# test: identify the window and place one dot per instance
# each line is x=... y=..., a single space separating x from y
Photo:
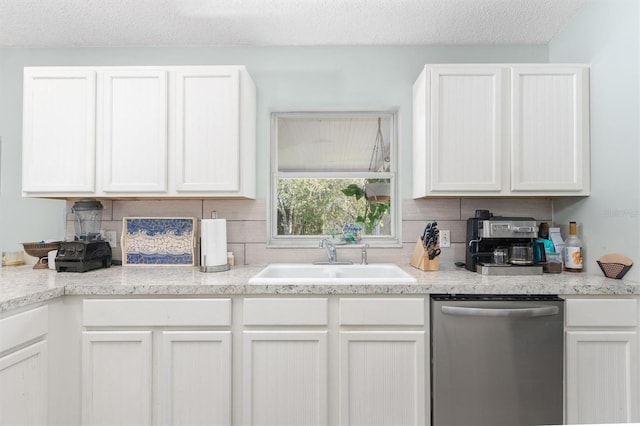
x=333 y=174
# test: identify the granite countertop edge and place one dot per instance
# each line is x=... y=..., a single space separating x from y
x=22 y=286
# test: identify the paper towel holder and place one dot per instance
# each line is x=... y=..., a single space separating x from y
x=214 y=268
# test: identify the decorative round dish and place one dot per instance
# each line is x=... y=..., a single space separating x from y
x=40 y=250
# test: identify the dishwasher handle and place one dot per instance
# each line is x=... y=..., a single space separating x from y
x=501 y=312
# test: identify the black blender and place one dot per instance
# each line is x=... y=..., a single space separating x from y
x=88 y=250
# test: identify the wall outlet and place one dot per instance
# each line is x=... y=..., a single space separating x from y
x=110 y=237
x=445 y=238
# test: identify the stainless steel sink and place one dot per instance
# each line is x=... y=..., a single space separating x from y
x=292 y=273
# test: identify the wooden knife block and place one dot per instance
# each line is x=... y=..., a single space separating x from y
x=420 y=258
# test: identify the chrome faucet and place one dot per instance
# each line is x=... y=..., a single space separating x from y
x=332 y=254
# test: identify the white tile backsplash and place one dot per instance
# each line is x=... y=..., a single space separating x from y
x=431 y=209
x=236 y=209
x=157 y=208
x=247 y=231
x=538 y=208
x=247 y=226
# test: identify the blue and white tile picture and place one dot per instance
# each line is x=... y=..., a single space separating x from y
x=158 y=241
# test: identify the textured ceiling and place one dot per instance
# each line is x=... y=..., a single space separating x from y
x=77 y=23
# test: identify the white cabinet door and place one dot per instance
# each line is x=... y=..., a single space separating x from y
x=134 y=146
x=23 y=386
x=550 y=129
x=475 y=134
x=59 y=130
x=382 y=378
x=207 y=138
x=170 y=131
x=461 y=144
x=195 y=378
x=284 y=378
x=602 y=377
x=116 y=377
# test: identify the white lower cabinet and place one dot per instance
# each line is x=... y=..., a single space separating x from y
x=195 y=378
x=284 y=378
x=383 y=371
x=285 y=361
x=382 y=378
x=116 y=377
x=23 y=368
x=23 y=376
x=337 y=360
x=144 y=373
x=296 y=360
x=602 y=376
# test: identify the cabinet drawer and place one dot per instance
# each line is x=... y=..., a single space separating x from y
x=23 y=327
x=285 y=311
x=382 y=311
x=602 y=312
x=161 y=312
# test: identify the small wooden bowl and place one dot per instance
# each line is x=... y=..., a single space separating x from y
x=40 y=250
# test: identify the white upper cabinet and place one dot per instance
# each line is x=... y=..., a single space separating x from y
x=466 y=107
x=207 y=124
x=501 y=130
x=59 y=130
x=134 y=145
x=179 y=131
x=550 y=129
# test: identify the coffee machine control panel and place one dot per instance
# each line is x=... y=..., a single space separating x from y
x=507 y=229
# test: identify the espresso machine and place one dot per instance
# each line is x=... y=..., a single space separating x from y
x=88 y=250
x=501 y=245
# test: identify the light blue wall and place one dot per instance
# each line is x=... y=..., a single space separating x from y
x=21 y=219
x=606 y=35
x=286 y=78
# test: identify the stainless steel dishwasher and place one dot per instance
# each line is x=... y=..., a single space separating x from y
x=496 y=360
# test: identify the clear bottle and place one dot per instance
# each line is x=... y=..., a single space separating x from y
x=573 y=261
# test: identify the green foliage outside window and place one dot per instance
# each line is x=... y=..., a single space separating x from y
x=373 y=212
x=316 y=206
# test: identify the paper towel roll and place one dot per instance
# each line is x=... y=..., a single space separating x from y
x=213 y=242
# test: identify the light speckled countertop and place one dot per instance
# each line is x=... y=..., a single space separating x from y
x=21 y=286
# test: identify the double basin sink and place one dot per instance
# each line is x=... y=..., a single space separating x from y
x=289 y=273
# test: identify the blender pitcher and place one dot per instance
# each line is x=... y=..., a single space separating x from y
x=88 y=219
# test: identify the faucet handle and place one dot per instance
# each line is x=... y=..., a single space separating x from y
x=363 y=254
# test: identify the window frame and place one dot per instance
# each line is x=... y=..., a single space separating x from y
x=296 y=241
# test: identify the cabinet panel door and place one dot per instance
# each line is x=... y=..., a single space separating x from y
x=135 y=131
x=382 y=378
x=284 y=378
x=602 y=377
x=59 y=130
x=195 y=378
x=466 y=129
x=550 y=129
x=208 y=130
x=116 y=377
x=23 y=386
